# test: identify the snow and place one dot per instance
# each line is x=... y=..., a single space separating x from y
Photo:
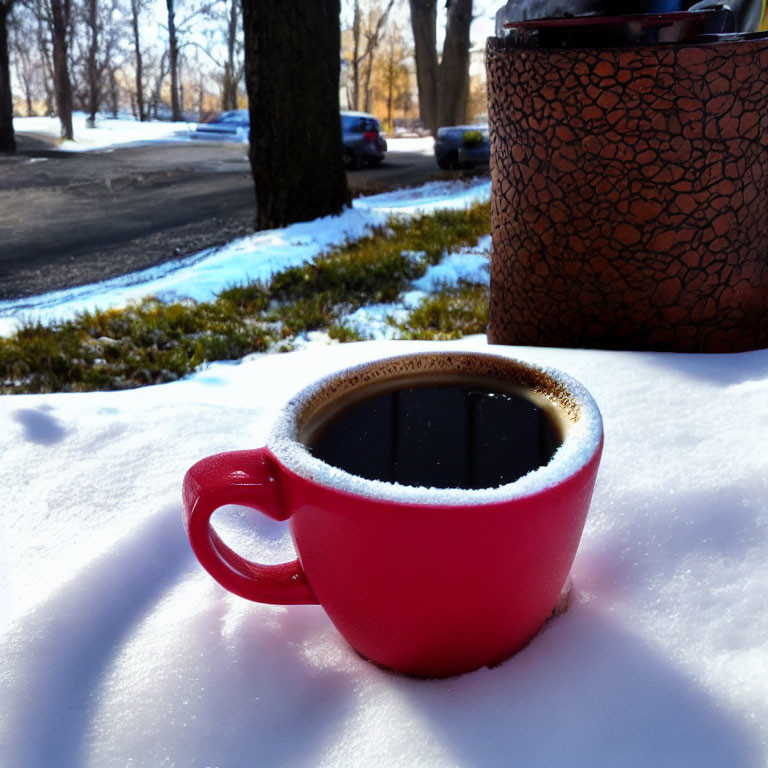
x=255 y=257
x=421 y=145
x=469 y=265
x=436 y=195
x=119 y=650
x=380 y=321
x=109 y=132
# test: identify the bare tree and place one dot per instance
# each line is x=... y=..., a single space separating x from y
x=52 y=33
x=137 y=6
x=7 y=138
x=41 y=12
x=176 y=30
x=453 y=75
x=173 y=59
x=97 y=45
x=161 y=70
x=368 y=26
x=233 y=69
x=443 y=86
x=354 y=101
x=60 y=15
x=292 y=76
x=391 y=73
x=115 y=41
x=225 y=34
x=21 y=31
x=95 y=65
x=424 y=25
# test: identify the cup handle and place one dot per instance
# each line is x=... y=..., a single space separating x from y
x=251 y=479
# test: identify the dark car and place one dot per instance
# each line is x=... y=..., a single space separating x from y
x=462 y=146
x=225 y=126
x=363 y=142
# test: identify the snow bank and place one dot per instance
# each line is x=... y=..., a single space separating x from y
x=256 y=257
x=109 y=132
x=118 y=650
x=421 y=145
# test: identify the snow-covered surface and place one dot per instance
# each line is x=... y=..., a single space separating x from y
x=119 y=132
x=436 y=195
x=116 y=649
x=422 y=145
x=256 y=256
x=108 y=132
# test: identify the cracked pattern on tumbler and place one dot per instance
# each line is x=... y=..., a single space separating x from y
x=629 y=204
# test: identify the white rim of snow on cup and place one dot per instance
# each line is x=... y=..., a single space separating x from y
x=581 y=439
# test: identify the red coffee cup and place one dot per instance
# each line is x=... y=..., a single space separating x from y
x=427 y=581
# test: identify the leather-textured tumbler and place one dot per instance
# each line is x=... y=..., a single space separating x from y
x=629 y=205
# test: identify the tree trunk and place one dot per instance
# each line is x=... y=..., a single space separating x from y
x=453 y=75
x=355 y=105
x=229 y=84
x=372 y=34
x=19 y=52
x=94 y=74
x=292 y=76
x=7 y=138
x=173 y=54
x=423 y=23
x=140 y=107
x=63 y=87
x=114 y=92
x=42 y=41
x=390 y=82
x=367 y=86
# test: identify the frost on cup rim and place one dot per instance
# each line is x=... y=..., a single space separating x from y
x=578 y=414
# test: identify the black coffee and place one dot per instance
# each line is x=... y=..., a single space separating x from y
x=439 y=436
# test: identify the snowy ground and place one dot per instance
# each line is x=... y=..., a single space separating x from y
x=257 y=256
x=380 y=321
x=111 y=132
x=118 y=650
x=108 y=132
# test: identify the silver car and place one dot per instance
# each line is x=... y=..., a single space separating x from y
x=225 y=126
x=363 y=142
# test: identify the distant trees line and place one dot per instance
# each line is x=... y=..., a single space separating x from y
x=102 y=56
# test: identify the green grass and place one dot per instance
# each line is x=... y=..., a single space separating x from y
x=450 y=314
x=148 y=343
x=153 y=342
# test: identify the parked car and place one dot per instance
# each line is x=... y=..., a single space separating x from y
x=361 y=134
x=225 y=126
x=462 y=146
x=363 y=142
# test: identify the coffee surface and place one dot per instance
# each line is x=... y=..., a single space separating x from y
x=440 y=437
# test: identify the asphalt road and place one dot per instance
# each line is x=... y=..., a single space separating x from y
x=72 y=218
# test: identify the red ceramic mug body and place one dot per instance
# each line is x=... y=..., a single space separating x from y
x=431 y=582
